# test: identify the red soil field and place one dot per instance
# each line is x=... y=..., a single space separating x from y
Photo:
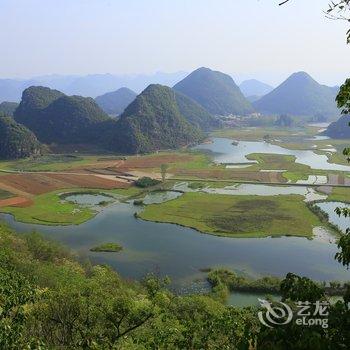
x=43 y=183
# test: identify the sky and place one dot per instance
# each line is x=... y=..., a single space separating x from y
x=244 y=38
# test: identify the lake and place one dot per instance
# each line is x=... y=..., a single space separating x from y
x=224 y=152
x=181 y=252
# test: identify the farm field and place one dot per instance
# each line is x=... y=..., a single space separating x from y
x=30 y=188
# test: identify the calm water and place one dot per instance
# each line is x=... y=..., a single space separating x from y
x=329 y=207
x=240 y=299
x=225 y=152
x=181 y=252
x=88 y=199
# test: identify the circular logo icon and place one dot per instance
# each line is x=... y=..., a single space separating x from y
x=276 y=314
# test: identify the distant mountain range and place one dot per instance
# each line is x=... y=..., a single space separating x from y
x=114 y=103
x=89 y=86
x=215 y=91
x=255 y=88
x=339 y=129
x=300 y=95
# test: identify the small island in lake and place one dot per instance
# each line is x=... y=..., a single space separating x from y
x=107 y=247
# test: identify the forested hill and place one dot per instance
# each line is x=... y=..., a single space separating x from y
x=8 y=108
x=195 y=114
x=215 y=91
x=151 y=122
x=300 y=95
x=115 y=102
x=57 y=118
x=16 y=141
x=339 y=129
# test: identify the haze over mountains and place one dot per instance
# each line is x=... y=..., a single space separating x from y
x=215 y=91
x=89 y=86
x=160 y=117
x=254 y=88
x=115 y=102
x=300 y=95
x=339 y=129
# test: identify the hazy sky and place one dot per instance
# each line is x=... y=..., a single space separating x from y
x=246 y=38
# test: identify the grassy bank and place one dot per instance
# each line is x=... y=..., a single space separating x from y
x=243 y=216
x=51 y=209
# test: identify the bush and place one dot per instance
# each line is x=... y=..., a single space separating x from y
x=145 y=181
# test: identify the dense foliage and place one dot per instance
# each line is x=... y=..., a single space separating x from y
x=300 y=95
x=146 y=181
x=158 y=119
x=215 y=91
x=57 y=118
x=115 y=102
x=195 y=114
x=16 y=141
x=8 y=108
x=49 y=299
x=152 y=122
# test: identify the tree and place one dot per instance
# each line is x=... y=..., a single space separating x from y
x=337 y=10
x=163 y=171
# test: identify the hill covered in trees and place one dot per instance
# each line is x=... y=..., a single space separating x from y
x=215 y=91
x=339 y=129
x=159 y=118
x=8 y=108
x=300 y=95
x=57 y=118
x=195 y=114
x=115 y=102
x=16 y=141
x=151 y=122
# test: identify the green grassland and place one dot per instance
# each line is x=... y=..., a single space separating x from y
x=54 y=162
x=258 y=133
x=51 y=209
x=340 y=194
x=243 y=216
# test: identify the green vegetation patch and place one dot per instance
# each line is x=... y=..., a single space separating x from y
x=340 y=194
x=241 y=216
x=4 y=194
x=107 y=247
x=52 y=162
x=233 y=282
x=50 y=209
x=145 y=182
